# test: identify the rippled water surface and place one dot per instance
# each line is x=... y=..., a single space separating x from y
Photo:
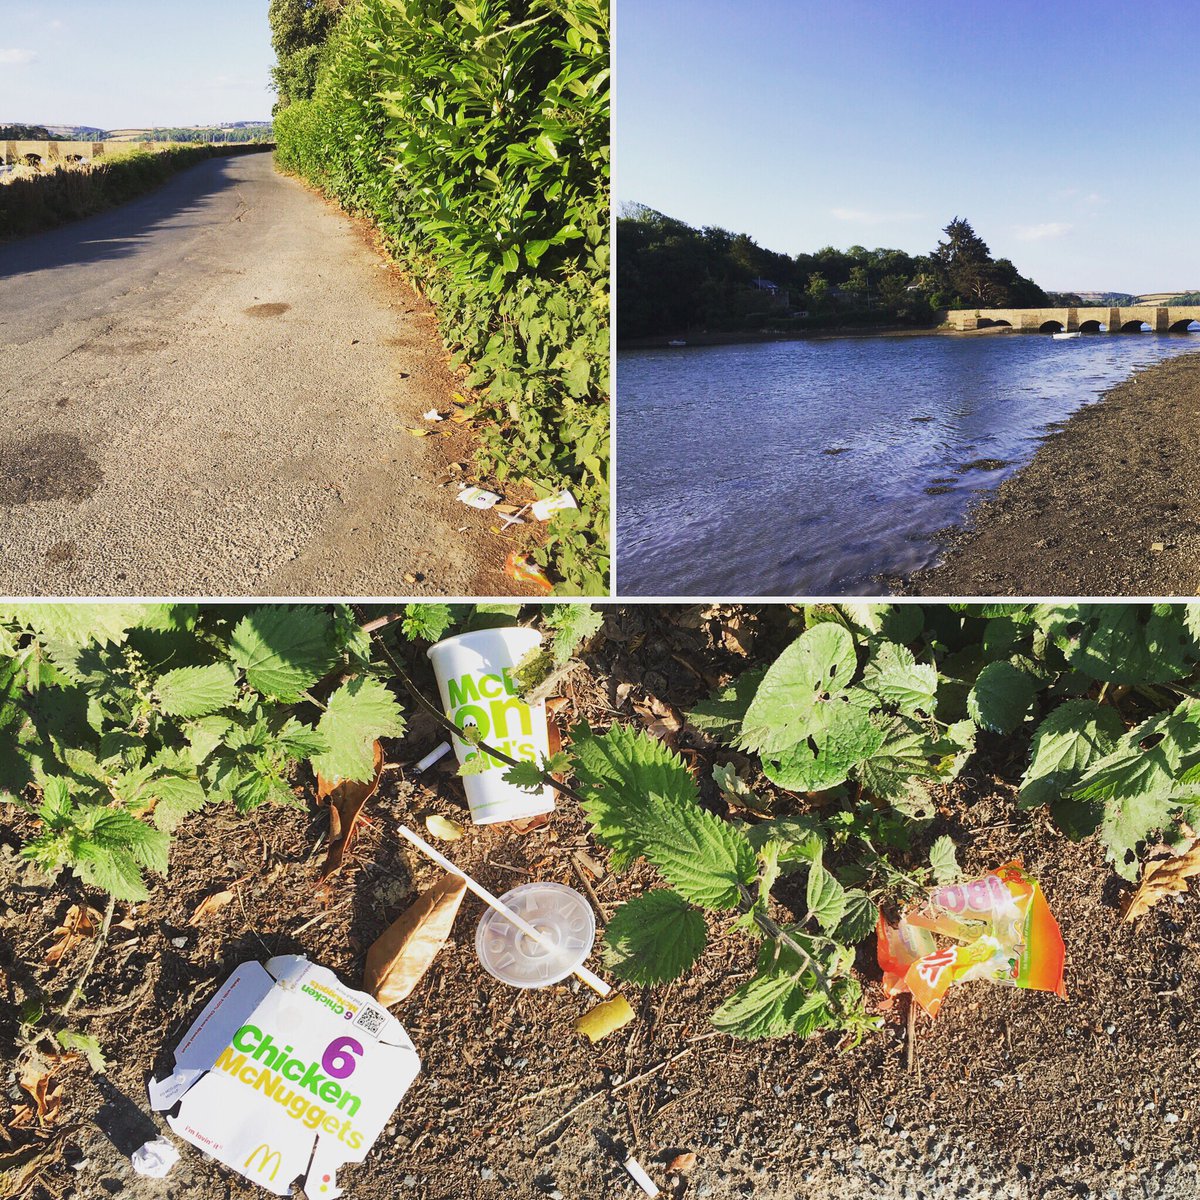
x=811 y=467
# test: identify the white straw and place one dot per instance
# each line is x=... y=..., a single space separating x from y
x=592 y=980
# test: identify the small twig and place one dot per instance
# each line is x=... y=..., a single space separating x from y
x=628 y=1083
x=591 y=891
x=910 y=1037
x=77 y=989
x=382 y=622
x=549 y=685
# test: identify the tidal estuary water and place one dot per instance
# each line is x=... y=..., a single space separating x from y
x=815 y=467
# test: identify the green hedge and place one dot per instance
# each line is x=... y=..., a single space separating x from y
x=476 y=136
x=66 y=193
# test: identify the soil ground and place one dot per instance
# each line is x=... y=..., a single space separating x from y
x=209 y=391
x=1014 y=1094
x=1109 y=505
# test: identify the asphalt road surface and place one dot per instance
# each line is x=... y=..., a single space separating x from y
x=206 y=392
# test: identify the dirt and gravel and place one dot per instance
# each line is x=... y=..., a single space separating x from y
x=208 y=392
x=1109 y=505
x=1014 y=1094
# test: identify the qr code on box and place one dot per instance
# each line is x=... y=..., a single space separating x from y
x=371 y=1021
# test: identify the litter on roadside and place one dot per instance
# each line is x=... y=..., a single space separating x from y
x=285 y=1073
x=643 y=1180
x=475 y=679
x=604 y=1019
x=548 y=942
x=1000 y=929
x=521 y=568
x=474 y=497
x=545 y=509
x=437 y=753
x=154 y=1159
x=400 y=956
x=563 y=918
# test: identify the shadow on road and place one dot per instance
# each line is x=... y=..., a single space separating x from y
x=120 y=232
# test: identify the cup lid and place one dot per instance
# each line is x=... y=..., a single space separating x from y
x=556 y=911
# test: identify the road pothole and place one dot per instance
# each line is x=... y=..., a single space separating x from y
x=267 y=310
x=50 y=466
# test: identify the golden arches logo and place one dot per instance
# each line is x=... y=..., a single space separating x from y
x=274 y=1157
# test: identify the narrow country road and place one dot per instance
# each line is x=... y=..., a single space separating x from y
x=206 y=392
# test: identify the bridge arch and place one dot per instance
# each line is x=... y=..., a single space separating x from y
x=999 y=323
x=1186 y=325
x=1092 y=326
x=1051 y=327
x=1134 y=326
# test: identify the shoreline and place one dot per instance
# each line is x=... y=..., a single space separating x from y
x=751 y=336
x=1108 y=506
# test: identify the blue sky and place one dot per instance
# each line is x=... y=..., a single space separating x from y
x=1068 y=134
x=132 y=63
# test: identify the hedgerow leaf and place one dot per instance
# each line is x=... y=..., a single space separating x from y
x=812 y=672
x=840 y=737
x=618 y=770
x=894 y=675
x=721 y=716
x=763 y=1007
x=197 y=691
x=825 y=897
x=1128 y=643
x=859 y=919
x=1074 y=736
x=943 y=860
x=654 y=938
x=284 y=649
x=356 y=716
x=1001 y=697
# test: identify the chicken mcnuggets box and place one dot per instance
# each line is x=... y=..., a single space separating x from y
x=287 y=1072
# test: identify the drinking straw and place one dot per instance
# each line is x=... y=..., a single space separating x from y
x=581 y=972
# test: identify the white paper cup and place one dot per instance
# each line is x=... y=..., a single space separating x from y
x=475 y=679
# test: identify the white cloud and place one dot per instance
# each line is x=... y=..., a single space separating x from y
x=1039 y=233
x=862 y=217
x=17 y=58
x=58 y=24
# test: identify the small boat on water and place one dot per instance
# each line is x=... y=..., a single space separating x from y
x=677 y=342
x=1062 y=337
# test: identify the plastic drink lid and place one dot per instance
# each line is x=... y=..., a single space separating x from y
x=557 y=912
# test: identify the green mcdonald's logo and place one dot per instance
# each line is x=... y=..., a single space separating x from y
x=274 y=1157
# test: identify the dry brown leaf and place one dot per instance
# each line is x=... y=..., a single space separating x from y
x=211 y=904
x=529 y=824
x=662 y=720
x=1162 y=879
x=401 y=955
x=79 y=923
x=443 y=827
x=555 y=704
x=345 y=800
x=683 y=1162
x=21 y=1169
x=46 y=1092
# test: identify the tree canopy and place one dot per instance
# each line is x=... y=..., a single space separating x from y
x=672 y=278
x=299 y=31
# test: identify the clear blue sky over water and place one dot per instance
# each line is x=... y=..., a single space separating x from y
x=133 y=63
x=1066 y=133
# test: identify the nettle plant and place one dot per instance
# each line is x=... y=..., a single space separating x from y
x=854 y=724
x=118 y=721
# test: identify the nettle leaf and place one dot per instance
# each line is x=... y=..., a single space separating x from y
x=814 y=671
x=897 y=770
x=705 y=859
x=765 y=1006
x=284 y=649
x=525 y=775
x=1001 y=697
x=114 y=871
x=1127 y=643
x=177 y=796
x=357 y=714
x=1127 y=823
x=859 y=919
x=894 y=675
x=1065 y=744
x=572 y=624
x=197 y=691
x=944 y=860
x=825 y=897
x=618 y=770
x=81 y=624
x=654 y=938
x=841 y=737
x=797 y=839
x=721 y=716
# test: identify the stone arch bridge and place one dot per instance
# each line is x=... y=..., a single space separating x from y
x=1161 y=319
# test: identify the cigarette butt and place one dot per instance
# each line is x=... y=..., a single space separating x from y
x=604 y=1019
x=437 y=752
x=643 y=1180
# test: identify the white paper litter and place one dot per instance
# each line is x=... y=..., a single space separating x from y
x=154 y=1159
x=474 y=497
x=433 y=415
x=545 y=509
x=643 y=1180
